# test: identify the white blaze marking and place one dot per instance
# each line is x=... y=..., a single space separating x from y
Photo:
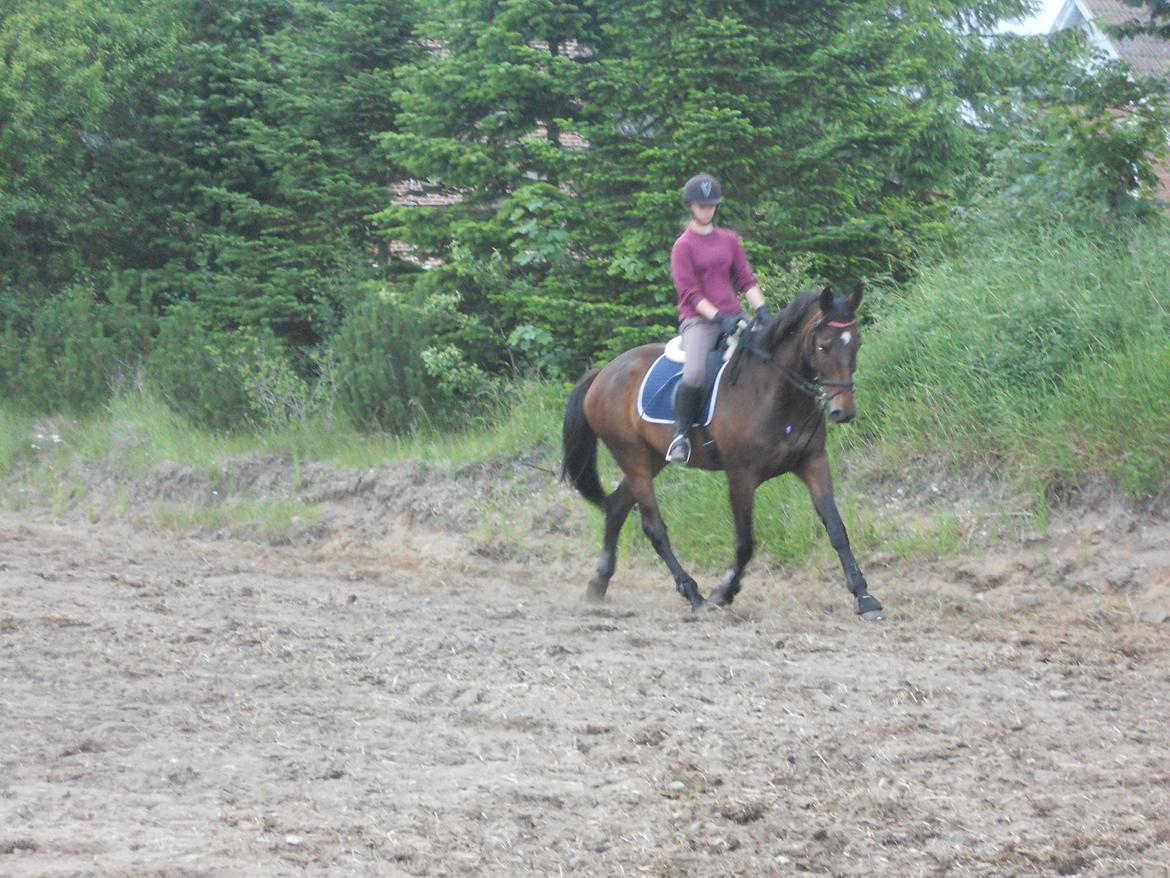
x=846 y=337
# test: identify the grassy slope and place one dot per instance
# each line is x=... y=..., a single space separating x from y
x=1043 y=356
x=1043 y=359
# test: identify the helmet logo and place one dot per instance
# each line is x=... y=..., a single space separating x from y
x=705 y=185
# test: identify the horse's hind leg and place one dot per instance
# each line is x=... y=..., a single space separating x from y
x=642 y=487
x=617 y=509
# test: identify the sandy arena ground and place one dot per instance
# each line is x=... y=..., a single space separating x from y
x=188 y=706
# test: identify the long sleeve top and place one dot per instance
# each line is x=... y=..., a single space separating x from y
x=712 y=267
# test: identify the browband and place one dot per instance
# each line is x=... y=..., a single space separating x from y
x=837 y=324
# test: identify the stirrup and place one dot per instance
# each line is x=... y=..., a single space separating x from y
x=679 y=450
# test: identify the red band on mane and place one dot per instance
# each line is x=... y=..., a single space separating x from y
x=839 y=325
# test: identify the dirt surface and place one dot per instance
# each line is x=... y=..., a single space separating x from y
x=387 y=695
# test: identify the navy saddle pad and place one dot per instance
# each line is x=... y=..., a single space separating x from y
x=656 y=396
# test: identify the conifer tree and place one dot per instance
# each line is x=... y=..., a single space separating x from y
x=840 y=129
x=262 y=155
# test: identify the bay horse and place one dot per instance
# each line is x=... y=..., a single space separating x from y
x=770 y=420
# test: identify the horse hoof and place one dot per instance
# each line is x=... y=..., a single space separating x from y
x=719 y=598
x=869 y=608
x=595 y=594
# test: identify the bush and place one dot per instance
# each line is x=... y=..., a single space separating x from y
x=397 y=365
x=227 y=380
x=72 y=351
x=189 y=369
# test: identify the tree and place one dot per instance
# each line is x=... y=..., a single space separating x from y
x=261 y=163
x=841 y=130
x=75 y=89
x=484 y=121
x=198 y=150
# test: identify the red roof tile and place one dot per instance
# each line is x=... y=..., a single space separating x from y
x=1147 y=55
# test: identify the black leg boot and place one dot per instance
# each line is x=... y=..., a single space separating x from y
x=686 y=407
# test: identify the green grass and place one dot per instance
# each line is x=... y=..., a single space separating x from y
x=1040 y=355
x=787 y=529
x=698 y=517
x=140 y=432
x=272 y=518
x=1111 y=418
x=1039 y=359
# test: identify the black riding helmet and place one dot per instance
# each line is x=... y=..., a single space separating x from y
x=702 y=189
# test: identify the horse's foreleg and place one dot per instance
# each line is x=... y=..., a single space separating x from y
x=655 y=529
x=741 y=489
x=816 y=477
x=617 y=509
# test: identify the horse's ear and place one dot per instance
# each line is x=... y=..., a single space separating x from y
x=854 y=300
x=827 y=300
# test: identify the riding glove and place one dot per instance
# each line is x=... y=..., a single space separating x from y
x=728 y=323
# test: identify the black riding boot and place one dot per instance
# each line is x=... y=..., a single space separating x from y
x=686 y=407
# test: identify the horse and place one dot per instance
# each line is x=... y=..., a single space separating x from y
x=770 y=420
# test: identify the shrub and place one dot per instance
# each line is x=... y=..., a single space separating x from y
x=397 y=365
x=190 y=369
x=226 y=380
x=1037 y=351
x=72 y=350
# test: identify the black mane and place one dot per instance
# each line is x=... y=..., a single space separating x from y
x=787 y=321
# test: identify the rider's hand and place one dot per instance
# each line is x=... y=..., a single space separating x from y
x=763 y=314
x=728 y=323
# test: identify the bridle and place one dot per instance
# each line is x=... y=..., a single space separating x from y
x=814 y=388
x=843 y=385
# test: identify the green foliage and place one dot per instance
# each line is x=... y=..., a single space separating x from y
x=394 y=371
x=188 y=368
x=844 y=139
x=74 y=84
x=258 y=160
x=72 y=351
x=1005 y=358
x=218 y=166
x=14 y=437
x=1079 y=140
x=226 y=380
x=1111 y=418
x=217 y=152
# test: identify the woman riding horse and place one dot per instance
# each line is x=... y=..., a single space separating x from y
x=709 y=266
x=770 y=420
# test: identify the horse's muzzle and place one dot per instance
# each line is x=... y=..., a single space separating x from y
x=841 y=413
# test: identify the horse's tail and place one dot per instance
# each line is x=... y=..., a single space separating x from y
x=579 y=466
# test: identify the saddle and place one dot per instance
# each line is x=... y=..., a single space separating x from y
x=656 y=395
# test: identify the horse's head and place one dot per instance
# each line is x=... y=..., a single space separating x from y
x=832 y=351
x=829 y=336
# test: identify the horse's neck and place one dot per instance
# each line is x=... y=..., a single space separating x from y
x=777 y=398
x=790 y=354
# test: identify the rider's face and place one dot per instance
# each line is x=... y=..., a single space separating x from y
x=703 y=213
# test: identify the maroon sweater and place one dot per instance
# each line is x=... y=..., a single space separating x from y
x=712 y=267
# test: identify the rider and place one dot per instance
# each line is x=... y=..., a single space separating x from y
x=709 y=266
